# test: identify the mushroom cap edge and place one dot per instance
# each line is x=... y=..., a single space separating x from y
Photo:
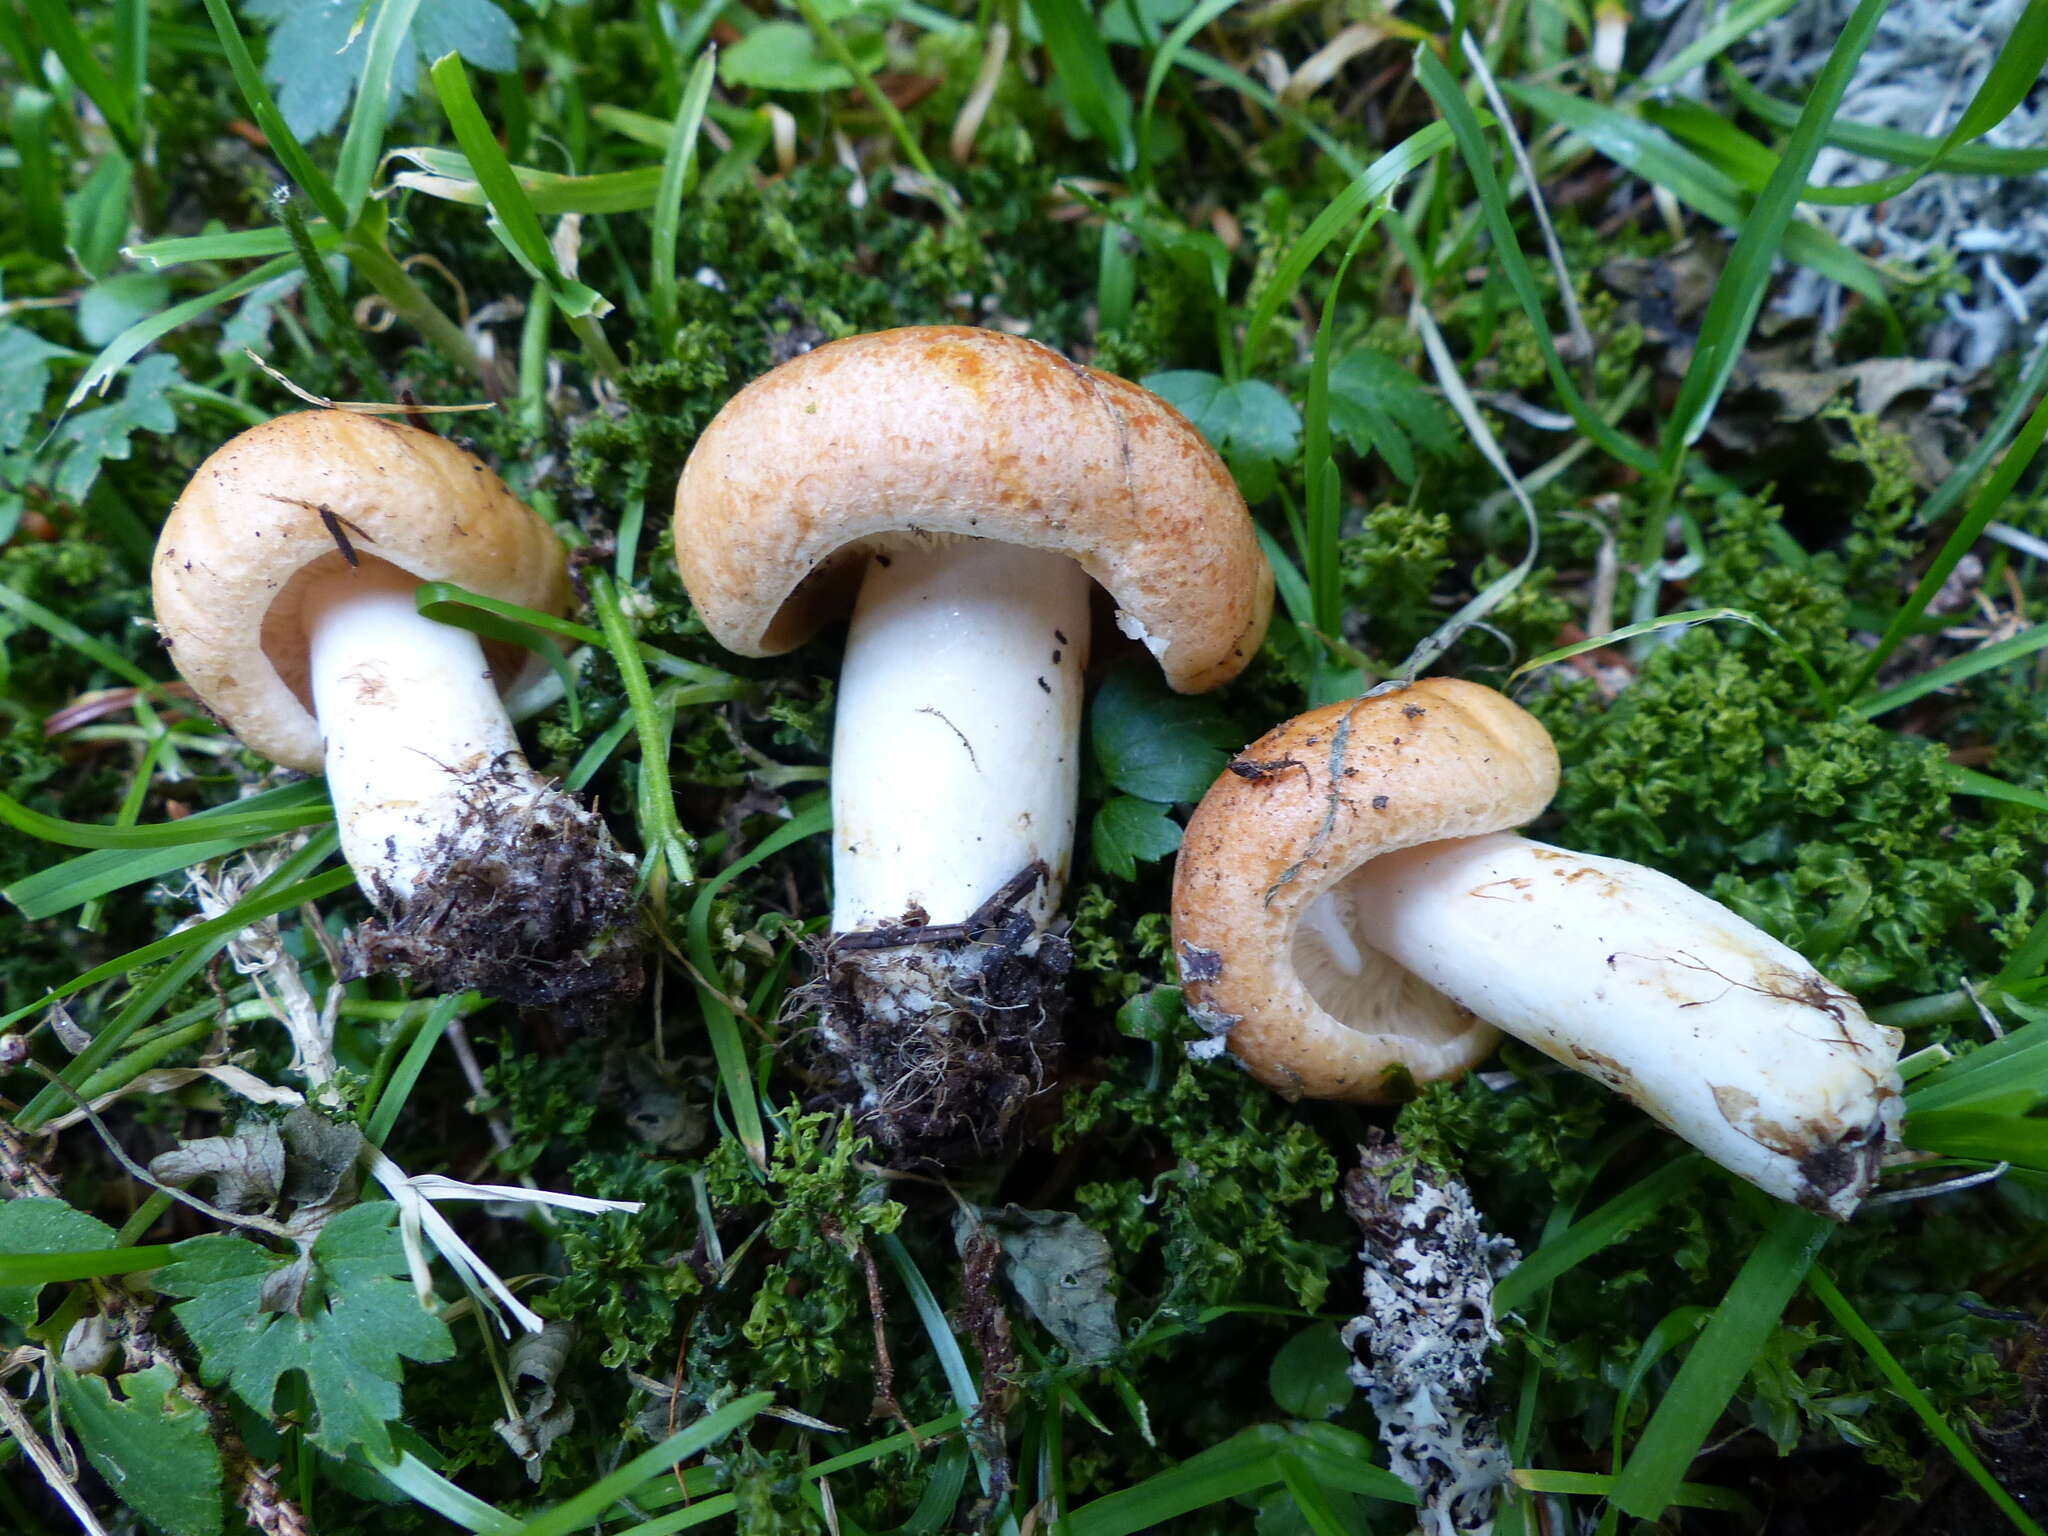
x=252 y=526
x=1328 y=791
x=955 y=430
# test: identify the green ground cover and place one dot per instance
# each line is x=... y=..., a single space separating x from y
x=1484 y=330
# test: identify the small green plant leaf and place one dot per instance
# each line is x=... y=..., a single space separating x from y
x=152 y=1444
x=1310 y=1377
x=1154 y=743
x=348 y=1323
x=785 y=56
x=33 y=1224
x=96 y=215
x=1156 y=1014
x=318 y=49
x=24 y=380
x=1376 y=405
x=1248 y=420
x=90 y=438
x=112 y=304
x=1130 y=832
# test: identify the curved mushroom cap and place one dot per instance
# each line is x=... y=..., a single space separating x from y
x=1309 y=1012
x=253 y=527
x=947 y=429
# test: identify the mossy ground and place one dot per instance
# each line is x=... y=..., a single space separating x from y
x=1732 y=755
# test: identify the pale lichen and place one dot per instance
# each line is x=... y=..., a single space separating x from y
x=1419 y=1348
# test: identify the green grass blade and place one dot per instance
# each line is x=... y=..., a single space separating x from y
x=284 y=144
x=1602 y=1228
x=65 y=885
x=1718 y=1362
x=144 y=1004
x=1982 y=1136
x=53 y=21
x=1823 y=1287
x=1685 y=1496
x=1311 y=1499
x=656 y=726
x=166 y=834
x=1369 y=187
x=224 y=927
x=2013 y=74
x=1983 y=659
x=235 y=245
x=1739 y=293
x=392 y=1100
x=677 y=167
x=1465 y=127
x=38 y=182
x=51 y=1268
x=123 y=349
x=1969 y=781
x=1652 y=154
x=1721 y=33
x=728 y=1048
x=493 y=172
x=1080 y=58
x=77 y=881
x=1890 y=143
x=1241 y=1465
x=421 y=1483
x=2018 y=1062
x=1982 y=511
x=577 y=1513
x=1164 y=57
x=390 y=41
x=445 y=174
x=61 y=628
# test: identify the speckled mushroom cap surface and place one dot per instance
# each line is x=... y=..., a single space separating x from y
x=253 y=528
x=1300 y=809
x=947 y=429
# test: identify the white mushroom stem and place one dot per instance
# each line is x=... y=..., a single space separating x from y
x=956 y=758
x=1707 y=1023
x=417 y=742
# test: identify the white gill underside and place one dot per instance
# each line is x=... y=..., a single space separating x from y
x=1729 y=1038
x=417 y=741
x=956 y=756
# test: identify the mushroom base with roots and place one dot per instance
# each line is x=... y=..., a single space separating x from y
x=486 y=875
x=956 y=763
x=1705 y=1022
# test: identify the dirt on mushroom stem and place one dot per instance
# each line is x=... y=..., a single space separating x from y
x=527 y=899
x=940 y=1037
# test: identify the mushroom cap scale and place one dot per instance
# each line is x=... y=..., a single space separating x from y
x=258 y=522
x=953 y=430
x=1300 y=809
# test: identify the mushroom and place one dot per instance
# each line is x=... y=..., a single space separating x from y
x=1352 y=910
x=284 y=582
x=973 y=487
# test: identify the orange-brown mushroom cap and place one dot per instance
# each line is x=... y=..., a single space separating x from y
x=269 y=510
x=947 y=429
x=1300 y=809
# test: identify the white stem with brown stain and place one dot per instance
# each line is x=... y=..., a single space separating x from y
x=956 y=754
x=1707 y=1023
x=417 y=741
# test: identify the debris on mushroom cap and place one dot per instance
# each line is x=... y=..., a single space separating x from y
x=1328 y=790
x=948 y=429
x=317 y=491
x=1335 y=922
